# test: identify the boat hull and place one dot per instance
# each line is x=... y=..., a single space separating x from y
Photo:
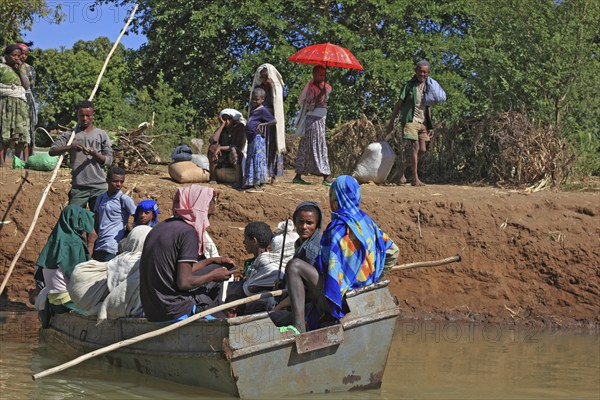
x=248 y=356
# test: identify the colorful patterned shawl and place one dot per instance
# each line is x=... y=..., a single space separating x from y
x=352 y=247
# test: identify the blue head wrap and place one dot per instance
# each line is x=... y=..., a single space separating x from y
x=146 y=205
x=352 y=247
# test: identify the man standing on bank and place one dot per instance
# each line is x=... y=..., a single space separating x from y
x=417 y=127
x=90 y=152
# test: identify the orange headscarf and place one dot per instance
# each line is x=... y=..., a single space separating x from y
x=191 y=203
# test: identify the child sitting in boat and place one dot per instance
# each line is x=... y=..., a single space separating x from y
x=261 y=273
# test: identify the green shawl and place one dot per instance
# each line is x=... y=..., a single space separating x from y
x=408 y=95
x=66 y=247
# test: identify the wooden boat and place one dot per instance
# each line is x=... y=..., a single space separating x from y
x=248 y=356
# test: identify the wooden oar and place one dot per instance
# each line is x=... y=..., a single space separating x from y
x=157 y=332
x=422 y=264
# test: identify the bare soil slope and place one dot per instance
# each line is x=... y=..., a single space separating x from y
x=527 y=258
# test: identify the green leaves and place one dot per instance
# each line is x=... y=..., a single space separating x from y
x=490 y=57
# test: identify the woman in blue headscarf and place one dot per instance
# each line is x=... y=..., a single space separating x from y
x=354 y=253
x=146 y=213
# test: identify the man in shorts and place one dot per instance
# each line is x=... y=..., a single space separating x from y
x=417 y=128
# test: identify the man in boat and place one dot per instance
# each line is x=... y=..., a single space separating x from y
x=176 y=280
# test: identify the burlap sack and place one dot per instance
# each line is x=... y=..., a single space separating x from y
x=187 y=172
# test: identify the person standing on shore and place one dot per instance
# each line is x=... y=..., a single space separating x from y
x=312 y=155
x=14 y=117
x=417 y=127
x=30 y=73
x=269 y=79
x=90 y=152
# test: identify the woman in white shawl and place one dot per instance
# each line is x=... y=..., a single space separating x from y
x=312 y=155
x=111 y=289
x=269 y=79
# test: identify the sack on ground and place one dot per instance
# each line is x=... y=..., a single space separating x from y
x=187 y=172
x=201 y=160
x=42 y=162
x=375 y=163
x=18 y=163
x=183 y=152
x=434 y=94
x=197 y=146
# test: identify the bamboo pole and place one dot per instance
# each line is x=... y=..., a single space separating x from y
x=59 y=162
x=423 y=264
x=112 y=51
x=157 y=332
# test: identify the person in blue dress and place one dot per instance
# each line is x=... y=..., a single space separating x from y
x=256 y=161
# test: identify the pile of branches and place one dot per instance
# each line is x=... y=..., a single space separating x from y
x=134 y=152
x=508 y=149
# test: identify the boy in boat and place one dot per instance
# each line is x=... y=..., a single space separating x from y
x=176 y=280
x=260 y=273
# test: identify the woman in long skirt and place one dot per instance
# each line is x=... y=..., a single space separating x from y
x=312 y=155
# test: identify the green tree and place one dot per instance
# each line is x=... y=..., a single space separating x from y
x=67 y=76
x=19 y=15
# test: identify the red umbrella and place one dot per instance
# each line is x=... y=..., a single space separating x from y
x=327 y=55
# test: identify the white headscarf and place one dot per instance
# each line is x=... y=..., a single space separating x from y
x=234 y=114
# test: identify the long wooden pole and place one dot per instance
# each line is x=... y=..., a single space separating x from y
x=423 y=264
x=157 y=332
x=213 y=310
x=59 y=162
x=112 y=51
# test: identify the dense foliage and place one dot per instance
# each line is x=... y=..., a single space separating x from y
x=18 y=15
x=536 y=56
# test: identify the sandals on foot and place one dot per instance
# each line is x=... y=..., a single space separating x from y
x=325 y=183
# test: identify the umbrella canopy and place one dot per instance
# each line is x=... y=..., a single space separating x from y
x=327 y=55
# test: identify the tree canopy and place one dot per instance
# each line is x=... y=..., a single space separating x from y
x=537 y=55
x=18 y=15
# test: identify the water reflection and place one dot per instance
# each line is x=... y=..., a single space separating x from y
x=427 y=361
x=450 y=360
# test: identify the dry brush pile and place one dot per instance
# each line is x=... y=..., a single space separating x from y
x=133 y=151
x=507 y=149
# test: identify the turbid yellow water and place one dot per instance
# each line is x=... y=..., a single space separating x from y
x=427 y=361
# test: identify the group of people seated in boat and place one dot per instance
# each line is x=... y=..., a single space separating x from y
x=172 y=270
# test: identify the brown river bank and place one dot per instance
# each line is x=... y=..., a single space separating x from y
x=527 y=259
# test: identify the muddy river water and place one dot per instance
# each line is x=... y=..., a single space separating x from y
x=427 y=361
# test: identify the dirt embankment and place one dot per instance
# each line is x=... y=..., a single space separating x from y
x=527 y=258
